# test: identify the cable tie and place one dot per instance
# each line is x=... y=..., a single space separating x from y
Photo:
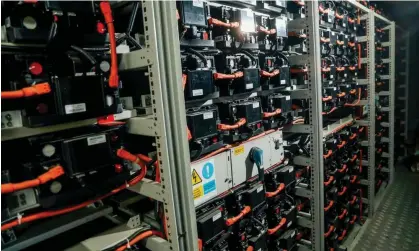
x=126 y=184
x=19 y=218
x=128 y=245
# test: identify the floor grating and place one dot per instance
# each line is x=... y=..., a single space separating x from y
x=395 y=226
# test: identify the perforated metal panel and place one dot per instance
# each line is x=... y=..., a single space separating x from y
x=395 y=226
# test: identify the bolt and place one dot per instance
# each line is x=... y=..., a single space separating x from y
x=8 y=116
x=9 y=124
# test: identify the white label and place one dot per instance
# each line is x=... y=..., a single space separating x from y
x=96 y=140
x=289 y=224
x=256 y=105
x=75 y=108
x=204 y=183
x=260 y=189
x=293 y=233
x=216 y=217
x=334 y=88
x=260 y=249
x=197 y=92
x=283 y=82
x=208 y=115
x=345 y=75
x=291 y=169
x=331 y=76
x=287 y=97
x=198 y=3
x=344 y=25
x=249 y=86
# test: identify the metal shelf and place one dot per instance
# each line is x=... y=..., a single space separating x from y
x=56 y=226
x=22 y=132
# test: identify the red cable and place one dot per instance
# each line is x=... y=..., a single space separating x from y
x=106 y=10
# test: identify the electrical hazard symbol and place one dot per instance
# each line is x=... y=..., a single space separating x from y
x=196 y=179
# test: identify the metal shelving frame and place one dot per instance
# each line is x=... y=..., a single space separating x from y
x=406 y=85
x=161 y=57
x=391 y=93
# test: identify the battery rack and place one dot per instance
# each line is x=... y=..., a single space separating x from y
x=271 y=124
x=402 y=90
x=385 y=106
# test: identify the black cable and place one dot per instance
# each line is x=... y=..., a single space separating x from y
x=132 y=17
x=282 y=55
x=198 y=54
x=84 y=53
x=198 y=153
x=52 y=32
x=251 y=56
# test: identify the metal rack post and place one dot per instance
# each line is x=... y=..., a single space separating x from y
x=316 y=123
x=406 y=85
x=371 y=110
x=162 y=58
x=392 y=88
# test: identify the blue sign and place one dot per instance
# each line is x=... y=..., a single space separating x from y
x=208 y=170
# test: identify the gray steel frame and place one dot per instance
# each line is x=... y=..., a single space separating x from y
x=315 y=118
x=406 y=87
x=371 y=108
x=169 y=121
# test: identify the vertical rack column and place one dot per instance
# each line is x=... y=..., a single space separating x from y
x=392 y=88
x=371 y=109
x=169 y=121
x=316 y=123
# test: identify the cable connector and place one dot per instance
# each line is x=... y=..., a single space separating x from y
x=52 y=174
x=35 y=90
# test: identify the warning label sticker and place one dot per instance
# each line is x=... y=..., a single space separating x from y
x=204 y=184
x=196 y=179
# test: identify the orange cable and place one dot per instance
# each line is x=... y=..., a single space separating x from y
x=343 y=191
x=217 y=22
x=234 y=219
x=51 y=174
x=276 y=192
x=269 y=74
x=140 y=237
x=342 y=214
x=235 y=75
x=331 y=228
x=329 y=153
x=329 y=206
x=275 y=229
x=271 y=114
x=52 y=213
x=225 y=127
x=331 y=179
x=106 y=10
x=34 y=90
x=357 y=102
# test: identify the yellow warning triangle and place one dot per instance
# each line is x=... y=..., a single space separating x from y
x=196 y=179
